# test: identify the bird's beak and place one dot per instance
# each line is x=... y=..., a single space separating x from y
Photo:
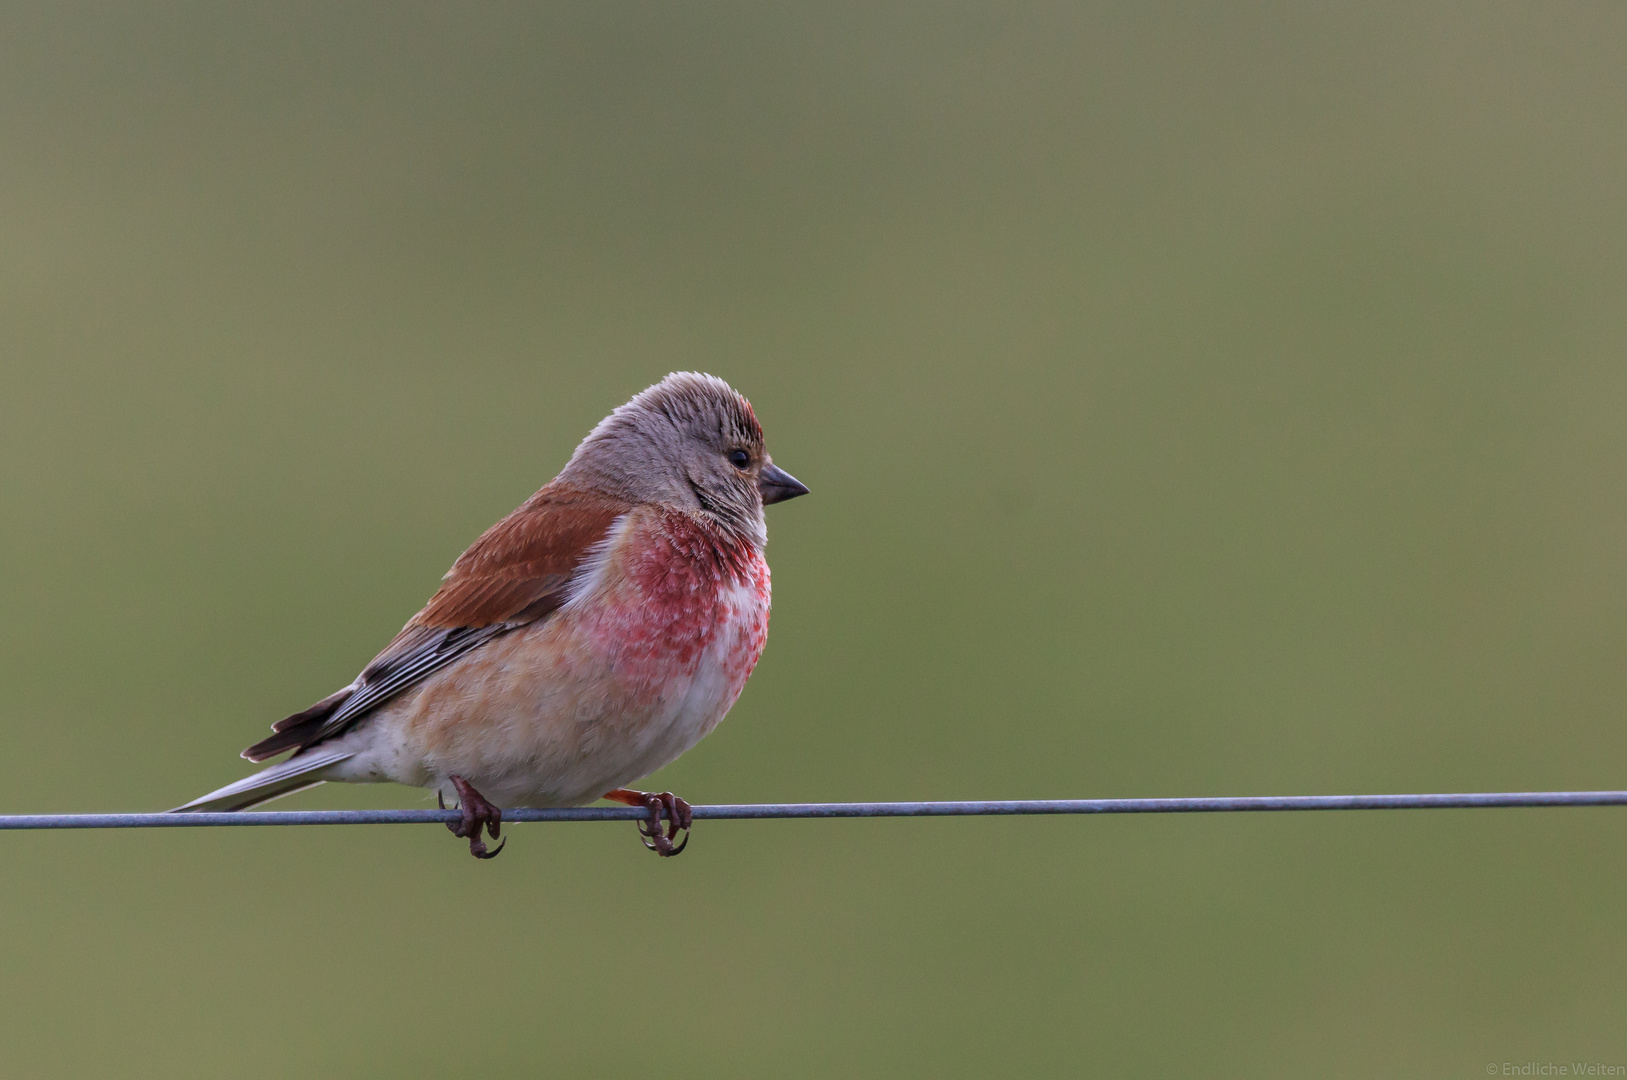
x=777 y=485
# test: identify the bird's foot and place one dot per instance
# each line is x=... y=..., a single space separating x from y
x=476 y=813
x=658 y=838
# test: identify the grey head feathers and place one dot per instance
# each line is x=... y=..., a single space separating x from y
x=691 y=442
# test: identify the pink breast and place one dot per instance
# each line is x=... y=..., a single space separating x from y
x=684 y=593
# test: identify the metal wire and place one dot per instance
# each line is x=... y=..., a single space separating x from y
x=838 y=810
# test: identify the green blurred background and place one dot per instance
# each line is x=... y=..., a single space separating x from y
x=1197 y=399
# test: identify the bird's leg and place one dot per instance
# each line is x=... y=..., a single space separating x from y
x=476 y=811
x=677 y=812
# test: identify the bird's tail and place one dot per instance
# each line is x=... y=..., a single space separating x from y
x=296 y=774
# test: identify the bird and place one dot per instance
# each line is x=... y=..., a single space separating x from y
x=592 y=636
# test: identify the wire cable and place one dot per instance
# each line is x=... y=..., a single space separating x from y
x=752 y=811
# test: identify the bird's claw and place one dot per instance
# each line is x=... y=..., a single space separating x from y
x=474 y=812
x=679 y=817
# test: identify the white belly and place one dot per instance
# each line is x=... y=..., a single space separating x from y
x=538 y=718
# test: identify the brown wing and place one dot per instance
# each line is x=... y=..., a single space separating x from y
x=519 y=571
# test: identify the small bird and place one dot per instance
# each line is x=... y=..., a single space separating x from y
x=584 y=641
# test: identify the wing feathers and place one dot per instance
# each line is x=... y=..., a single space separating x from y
x=428 y=653
x=519 y=571
x=316 y=712
x=523 y=559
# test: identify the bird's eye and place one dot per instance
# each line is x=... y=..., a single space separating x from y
x=739 y=459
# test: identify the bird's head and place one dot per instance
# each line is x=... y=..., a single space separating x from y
x=692 y=442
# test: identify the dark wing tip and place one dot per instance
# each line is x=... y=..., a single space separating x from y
x=296 y=730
